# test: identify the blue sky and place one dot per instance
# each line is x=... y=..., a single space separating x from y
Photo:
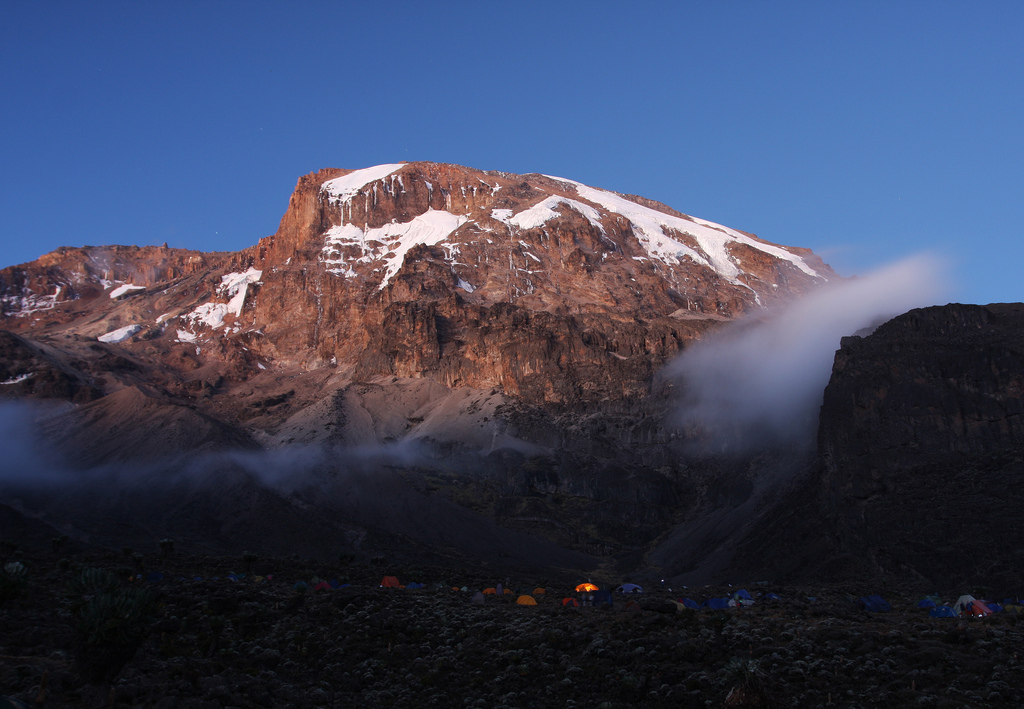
x=867 y=131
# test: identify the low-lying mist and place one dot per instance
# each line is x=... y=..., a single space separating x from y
x=758 y=383
x=31 y=462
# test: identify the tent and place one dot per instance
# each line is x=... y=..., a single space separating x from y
x=926 y=603
x=716 y=604
x=629 y=588
x=526 y=601
x=942 y=612
x=874 y=604
x=586 y=588
x=490 y=591
x=539 y=591
x=602 y=598
x=772 y=597
x=689 y=603
x=389 y=582
x=478 y=598
x=970 y=606
x=570 y=603
x=741 y=598
x=415 y=585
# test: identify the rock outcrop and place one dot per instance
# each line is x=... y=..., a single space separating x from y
x=920 y=464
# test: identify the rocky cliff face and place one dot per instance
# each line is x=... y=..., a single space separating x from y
x=920 y=464
x=920 y=439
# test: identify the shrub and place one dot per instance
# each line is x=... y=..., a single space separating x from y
x=110 y=623
x=12 y=581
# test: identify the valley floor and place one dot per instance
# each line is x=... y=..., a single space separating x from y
x=210 y=640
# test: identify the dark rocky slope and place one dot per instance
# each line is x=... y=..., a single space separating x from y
x=920 y=471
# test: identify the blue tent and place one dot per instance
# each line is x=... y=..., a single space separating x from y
x=772 y=597
x=942 y=612
x=874 y=604
x=629 y=588
x=602 y=598
x=717 y=604
x=414 y=585
x=926 y=603
x=689 y=603
x=743 y=594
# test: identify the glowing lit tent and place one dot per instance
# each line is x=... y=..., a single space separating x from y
x=586 y=588
x=526 y=601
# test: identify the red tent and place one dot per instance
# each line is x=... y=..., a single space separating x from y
x=390 y=582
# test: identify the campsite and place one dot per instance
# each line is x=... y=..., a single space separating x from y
x=300 y=633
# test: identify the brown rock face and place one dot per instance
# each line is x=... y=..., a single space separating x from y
x=491 y=279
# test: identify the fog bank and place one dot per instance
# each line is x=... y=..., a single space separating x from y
x=759 y=382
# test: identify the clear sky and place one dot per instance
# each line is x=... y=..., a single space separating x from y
x=867 y=131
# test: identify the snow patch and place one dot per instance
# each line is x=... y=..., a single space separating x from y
x=344 y=188
x=390 y=242
x=466 y=286
x=649 y=226
x=544 y=211
x=119 y=335
x=185 y=336
x=126 y=288
x=236 y=285
x=28 y=302
x=209 y=314
x=18 y=380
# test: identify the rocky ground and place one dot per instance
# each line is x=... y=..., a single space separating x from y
x=199 y=638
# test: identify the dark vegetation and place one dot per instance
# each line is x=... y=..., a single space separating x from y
x=84 y=630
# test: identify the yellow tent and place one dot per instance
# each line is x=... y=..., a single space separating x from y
x=526 y=601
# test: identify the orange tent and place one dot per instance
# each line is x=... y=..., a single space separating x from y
x=539 y=591
x=489 y=590
x=526 y=601
x=508 y=592
x=389 y=582
x=586 y=588
x=571 y=602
